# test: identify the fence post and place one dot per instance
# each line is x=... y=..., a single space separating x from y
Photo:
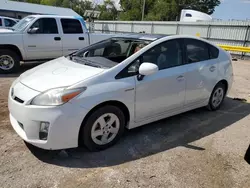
x=115 y=23
x=245 y=40
x=103 y=27
x=208 y=31
x=152 y=28
x=177 y=29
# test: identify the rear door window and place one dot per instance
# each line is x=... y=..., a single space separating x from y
x=71 y=26
x=196 y=51
x=213 y=52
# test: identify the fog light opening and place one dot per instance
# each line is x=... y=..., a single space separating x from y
x=44 y=129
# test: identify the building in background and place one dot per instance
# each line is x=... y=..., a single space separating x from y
x=19 y=10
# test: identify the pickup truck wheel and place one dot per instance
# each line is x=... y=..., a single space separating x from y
x=9 y=61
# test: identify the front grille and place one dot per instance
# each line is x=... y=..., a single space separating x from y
x=18 y=100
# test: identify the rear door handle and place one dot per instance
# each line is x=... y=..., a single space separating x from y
x=212 y=69
x=81 y=38
x=180 y=78
x=57 y=38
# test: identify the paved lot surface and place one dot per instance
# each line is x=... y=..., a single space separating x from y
x=194 y=149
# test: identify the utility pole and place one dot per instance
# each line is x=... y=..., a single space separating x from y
x=143 y=10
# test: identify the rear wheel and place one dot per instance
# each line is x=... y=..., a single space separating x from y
x=217 y=97
x=9 y=61
x=103 y=128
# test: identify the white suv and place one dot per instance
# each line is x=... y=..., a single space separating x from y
x=90 y=96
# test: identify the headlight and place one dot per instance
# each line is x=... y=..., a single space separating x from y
x=57 y=96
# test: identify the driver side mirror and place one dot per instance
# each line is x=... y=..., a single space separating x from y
x=33 y=30
x=147 y=69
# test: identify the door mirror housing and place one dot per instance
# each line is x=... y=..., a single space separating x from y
x=85 y=54
x=33 y=30
x=147 y=69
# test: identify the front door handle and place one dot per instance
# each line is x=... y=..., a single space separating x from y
x=180 y=78
x=212 y=69
x=57 y=38
x=81 y=38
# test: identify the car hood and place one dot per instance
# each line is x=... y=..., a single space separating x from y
x=57 y=73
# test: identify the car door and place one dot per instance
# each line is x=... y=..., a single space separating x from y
x=163 y=91
x=74 y=37
x=46 y=43
x=201 y=75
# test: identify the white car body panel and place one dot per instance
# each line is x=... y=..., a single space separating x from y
x=157 y=96
x=160 y=92
x=58 y=74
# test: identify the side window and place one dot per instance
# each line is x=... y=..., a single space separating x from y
x=165 y=55
x=46 y=26
x=9 y=23
x=213 y=52
x=1 y=22
x=196 y=51
x=71 y=26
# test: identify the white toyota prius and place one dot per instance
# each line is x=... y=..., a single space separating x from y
x=90 y=97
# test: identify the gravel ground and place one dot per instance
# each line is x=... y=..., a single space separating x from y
x=194 y=149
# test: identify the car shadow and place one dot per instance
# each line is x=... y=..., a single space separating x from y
x=23 y=68
x=180 y=130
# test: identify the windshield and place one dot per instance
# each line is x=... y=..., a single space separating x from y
x=22 y=24
x=114 y=50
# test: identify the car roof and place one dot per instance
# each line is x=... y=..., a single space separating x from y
x=141 y=36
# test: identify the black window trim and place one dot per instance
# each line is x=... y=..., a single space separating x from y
x=182 y=46
x=46 y=33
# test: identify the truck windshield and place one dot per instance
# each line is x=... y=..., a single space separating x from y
x=22 y=24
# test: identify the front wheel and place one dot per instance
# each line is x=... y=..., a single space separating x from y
x=9 y=61
x=217 y=97
x=103 y=128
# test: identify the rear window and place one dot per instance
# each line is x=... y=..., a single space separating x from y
x=71 y=26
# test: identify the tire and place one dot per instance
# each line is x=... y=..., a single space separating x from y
x=13 y=57
x=212 y=105
x=92 y=127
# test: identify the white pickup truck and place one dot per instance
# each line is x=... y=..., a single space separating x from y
x=43 y=37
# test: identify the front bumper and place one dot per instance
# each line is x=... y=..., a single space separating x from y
x=65 y=122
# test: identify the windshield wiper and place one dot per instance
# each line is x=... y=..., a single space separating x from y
x=92 y=65
x=85 y=61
